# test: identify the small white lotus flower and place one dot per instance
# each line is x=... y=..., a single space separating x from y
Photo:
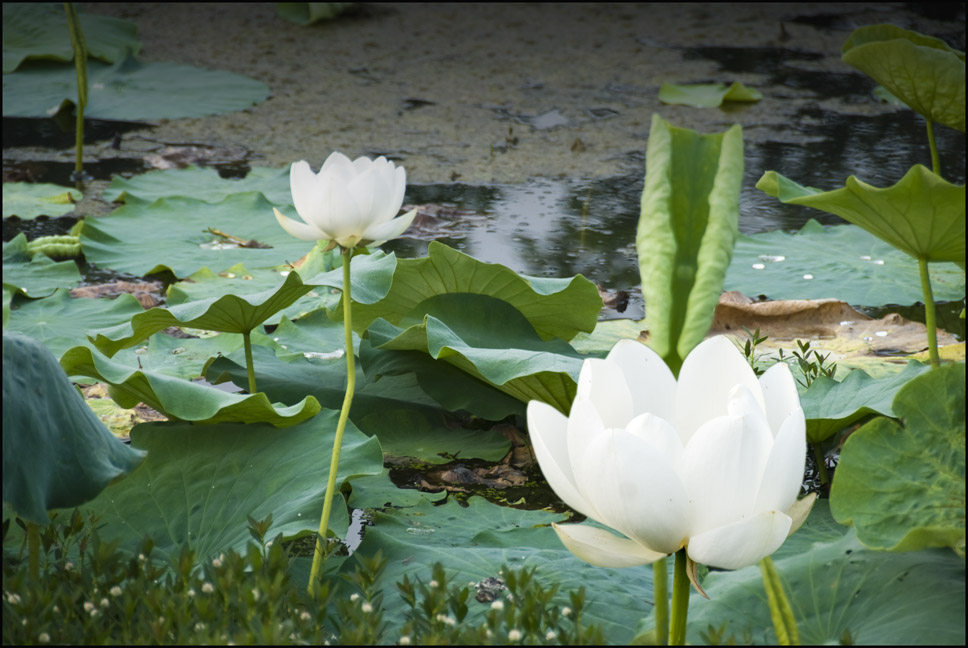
x=712 y=463
x=347 y=202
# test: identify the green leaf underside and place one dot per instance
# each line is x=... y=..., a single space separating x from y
x=181 y=399
x=554 y=307
x=830 y=406
x=200 y=482
x=686 y=231
x=129 y=90
x=922 y=215
x=843 y=262
x=28 y=200
x=921 y=501
x=706 y=95
x=56 y=453
x=490 y=340
x=923 y=72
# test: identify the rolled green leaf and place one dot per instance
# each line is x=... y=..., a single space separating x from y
x=923 y=72
x=686 y=232
x=707 y=95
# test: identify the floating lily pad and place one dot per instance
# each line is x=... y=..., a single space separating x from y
x=181 y=399
x=56 y=453
x=28 y=200
x=129 y=90
x=922 y=215
x=201 y=481
x=706 y=95
x=35 y=30
x=170 y=234
x=922 y=504
x=842 y=262
x=201 y=184
x=59 y=321
x=554 y=307
x=922 y=71
x=35 y=276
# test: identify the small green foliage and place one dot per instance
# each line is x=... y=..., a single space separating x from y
x=749 y=349
x=90 y=591
x=716 y=636
x=811 y=368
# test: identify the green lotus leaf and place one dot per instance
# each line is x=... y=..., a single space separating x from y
x=922 y=503
x=201 y=481
x=178 y=357
x=923 y=72
x=840 y=593
x=35 y=276
x=228 y=314
x=706 y=95
x=922 y=215
x=128 y=90
x=181 y=399
x=28 y=200
x=58 y=321
x=170 y=234
x=686 y=232
x=490 y=340
x=201 y=184
x=453 y=388
x=830 y=406
x=56 y=453
x=371 y=277
x=842 y=262
x=39 y=31
x=554 y=307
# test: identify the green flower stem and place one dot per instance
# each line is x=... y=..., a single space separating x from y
x=319 y=556
x=660 y=588
x=80 y=65
x=33 y=551
x=929 y=316
x=818 y=457
x=935 y=159
x=784 y=623
x=680 y=601
x=249 y=367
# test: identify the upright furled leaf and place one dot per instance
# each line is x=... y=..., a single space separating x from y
x=686 y=232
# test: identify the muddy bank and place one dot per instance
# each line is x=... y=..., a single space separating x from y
x=502 y=93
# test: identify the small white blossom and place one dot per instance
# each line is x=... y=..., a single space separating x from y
x=94 y=612
x=105 y=603
x=404 y=640
x=514 y=635
x=217 y=563
x=565 y=611
x=446 y=620
x=43 y=637
x=199 y=626
x=551 y=635
x=305 y=616
x=13 y=599
x=207 y=587
x=68 y=566
x=433 y=584
x=255 y=594
x=366 y=607
x=141 y=557
x=354 y=597
x=497 y=605
x=88 y=606
x=116 y=591
x=191 y=592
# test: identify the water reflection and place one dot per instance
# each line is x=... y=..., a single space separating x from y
x=560 y=228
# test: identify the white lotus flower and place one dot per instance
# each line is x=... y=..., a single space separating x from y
x=348 y=202
x=713 y=463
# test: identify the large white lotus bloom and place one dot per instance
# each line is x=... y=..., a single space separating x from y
x=713 y=463
x=348 y=202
